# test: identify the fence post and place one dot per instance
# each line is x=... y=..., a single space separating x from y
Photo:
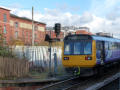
x=50 y=71
x=55 y=64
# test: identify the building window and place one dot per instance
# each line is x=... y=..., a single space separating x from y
x=5 y=17
x=5 y=31
x=27 y=35
x=16 y=24
x=30 y=35
x=23 y=36
x=16 y=34
x=23 y=33
x=36 y=28
x=35 y=36
x=42 y=35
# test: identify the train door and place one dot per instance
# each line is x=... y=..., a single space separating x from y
x=102 y=52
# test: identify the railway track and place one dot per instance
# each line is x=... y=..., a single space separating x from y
x=80 y=83
x=60 y=85
x=66 y=84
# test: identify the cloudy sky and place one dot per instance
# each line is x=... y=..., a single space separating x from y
x=98 y=15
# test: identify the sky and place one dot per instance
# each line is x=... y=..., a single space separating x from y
x=98 y=15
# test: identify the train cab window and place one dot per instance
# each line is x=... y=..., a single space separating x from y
x=77 y=46
x=68 y=48
x=87 y=48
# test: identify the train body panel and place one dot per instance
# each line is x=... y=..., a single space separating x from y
x=112 y=55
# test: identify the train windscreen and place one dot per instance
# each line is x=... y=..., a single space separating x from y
x=82 y=47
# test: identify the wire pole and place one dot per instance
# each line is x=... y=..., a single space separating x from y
x=32 y=26
x=50 y=71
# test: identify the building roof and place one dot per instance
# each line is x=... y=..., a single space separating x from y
x=83 y=32
x=25 y=18
x=5 y=8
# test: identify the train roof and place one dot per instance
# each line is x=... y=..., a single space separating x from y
x=102 y=38
x=93 y=37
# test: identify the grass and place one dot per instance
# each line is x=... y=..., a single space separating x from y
x=35 y=74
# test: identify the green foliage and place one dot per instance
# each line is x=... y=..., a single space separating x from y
x=1 y=36
x=5 y=52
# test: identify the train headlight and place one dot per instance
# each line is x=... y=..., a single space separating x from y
x=88 y=58
x=66 y=58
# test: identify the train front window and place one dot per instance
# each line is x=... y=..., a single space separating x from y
x=68 y=48
x=78 y=48
x=87 y=48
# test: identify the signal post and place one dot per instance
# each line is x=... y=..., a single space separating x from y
x=48 y=38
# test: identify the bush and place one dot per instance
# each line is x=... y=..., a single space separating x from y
x=4 y=51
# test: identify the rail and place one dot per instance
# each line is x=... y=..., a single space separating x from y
x=85 y=83
x=62 y=84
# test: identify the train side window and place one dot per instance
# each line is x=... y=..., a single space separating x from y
x=106 y=45
x=118 y=46
x=113 y=46
x=98 y=45
x=110 y=45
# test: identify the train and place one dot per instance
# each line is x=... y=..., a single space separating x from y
x=88 y=54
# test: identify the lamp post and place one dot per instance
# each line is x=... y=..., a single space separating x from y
x=50 y=55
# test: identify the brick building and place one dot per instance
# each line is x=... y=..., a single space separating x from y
x=20 y=28
x=64 y=32
x=83 y=32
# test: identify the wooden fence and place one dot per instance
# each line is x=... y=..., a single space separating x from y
x=12 y=67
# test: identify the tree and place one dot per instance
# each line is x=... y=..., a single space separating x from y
x=1 y=36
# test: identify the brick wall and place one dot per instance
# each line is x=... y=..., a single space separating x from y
x=4 y=24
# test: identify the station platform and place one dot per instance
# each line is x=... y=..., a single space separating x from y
x=30 y=81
